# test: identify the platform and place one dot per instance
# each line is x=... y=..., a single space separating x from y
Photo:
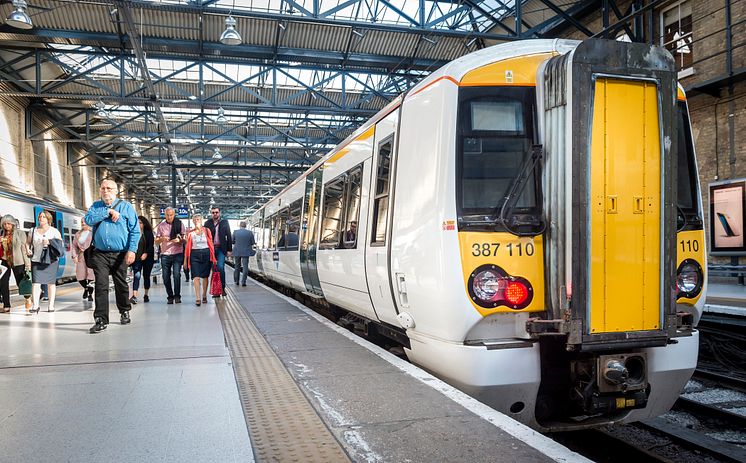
x=179 y=385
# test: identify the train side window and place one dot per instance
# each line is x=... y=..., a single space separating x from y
x=282 y=225
x=352 y=207
x=28 y=225
x=291 y=243
x=272 y=231
x=381 y=197
x=331 y=223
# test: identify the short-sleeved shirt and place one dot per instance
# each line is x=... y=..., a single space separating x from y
x=169 y=249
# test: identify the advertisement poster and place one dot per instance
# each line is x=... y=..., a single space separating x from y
x=727 y=217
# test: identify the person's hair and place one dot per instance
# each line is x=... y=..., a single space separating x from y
x=242 y=224
x=108 y=180
x=169 y=208
x=214 y=207
x=47 y=214
x=146 y=226
x=8 y=219
x=197 y=216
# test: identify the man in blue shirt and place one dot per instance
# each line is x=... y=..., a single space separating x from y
x=116 y=234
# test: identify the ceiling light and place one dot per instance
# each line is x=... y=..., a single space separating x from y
x=230 y=35
x=215 y=175
x=18 y=17
x=101 y=110
x=136 y=151
x=221 y=116
x=216 y=154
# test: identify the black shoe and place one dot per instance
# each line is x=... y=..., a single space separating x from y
x=125 y=318
x=99 y=326
x=177 y=299
x=133 y=300
x=85 y=294
x=145 y=298
x=90 y=298
x=170 y=300
x=44 y=299
x=243 y=284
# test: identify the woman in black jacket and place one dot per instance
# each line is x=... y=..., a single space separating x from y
x=144 y=260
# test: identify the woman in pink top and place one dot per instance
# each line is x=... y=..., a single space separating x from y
x=199 y=257
x=84 y=275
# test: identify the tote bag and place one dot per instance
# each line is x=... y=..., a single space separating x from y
x=216 y=285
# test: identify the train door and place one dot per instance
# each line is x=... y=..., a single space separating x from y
x=377 y=266
x=309 y=233
x=259 y=236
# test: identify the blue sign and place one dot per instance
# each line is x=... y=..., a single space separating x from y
x=182 y=212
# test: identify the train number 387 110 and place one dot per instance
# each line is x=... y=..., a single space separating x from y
x=512 y=249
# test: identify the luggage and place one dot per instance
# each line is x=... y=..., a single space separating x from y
x=216 y=285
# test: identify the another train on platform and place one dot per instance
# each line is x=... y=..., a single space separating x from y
x=67 y=220
x=526 y=222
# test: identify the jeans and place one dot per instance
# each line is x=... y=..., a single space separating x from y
x=171 y=266
x=241 y=269
x=114 y=264
x=220 y=257
x=141 y=268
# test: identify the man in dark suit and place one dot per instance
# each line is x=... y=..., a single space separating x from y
x=222 y=240
x=243 y=248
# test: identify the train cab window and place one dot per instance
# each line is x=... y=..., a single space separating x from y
x=688 y=203
x=381 y=198
x=496 y=137
x=332 y=218
x=352 y=207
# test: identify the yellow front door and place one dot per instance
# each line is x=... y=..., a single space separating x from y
x=625 y=208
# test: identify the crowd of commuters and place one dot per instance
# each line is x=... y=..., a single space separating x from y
x=111 y=239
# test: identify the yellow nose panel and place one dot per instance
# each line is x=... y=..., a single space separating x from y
x=625 y=207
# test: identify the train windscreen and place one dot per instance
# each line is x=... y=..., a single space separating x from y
x=495 y=140
x=688 y=202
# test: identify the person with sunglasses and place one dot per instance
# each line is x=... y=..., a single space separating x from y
x=222 y=238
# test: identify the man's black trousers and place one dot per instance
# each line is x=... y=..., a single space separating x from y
x=110 y=263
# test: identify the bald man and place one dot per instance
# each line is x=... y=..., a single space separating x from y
x=116 y=234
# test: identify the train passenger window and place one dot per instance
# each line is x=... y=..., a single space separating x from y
x=28 y=225
x=282 y=225
x=293 y=225
x=332 y=217
x=352 y=207
x=381 y=198
x=271 y=229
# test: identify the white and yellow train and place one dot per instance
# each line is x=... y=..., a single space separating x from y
x=526 y=222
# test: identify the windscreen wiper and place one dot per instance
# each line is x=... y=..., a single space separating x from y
x=516 y=189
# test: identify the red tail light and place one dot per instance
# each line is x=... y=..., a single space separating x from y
x=516 y=293
x=490 y=287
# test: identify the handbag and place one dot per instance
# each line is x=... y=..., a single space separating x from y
x=216 y=285
x=24 y=286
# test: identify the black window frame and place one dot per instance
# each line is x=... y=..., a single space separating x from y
x=344 y=220
x=693 y=214
x=356 y=171
x=329 y=243
x=383 y=197
x=486 y=219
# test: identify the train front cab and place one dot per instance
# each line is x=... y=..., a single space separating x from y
x=569 y=257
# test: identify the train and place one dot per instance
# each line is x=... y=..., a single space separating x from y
x=526 y=223
x=67 y=220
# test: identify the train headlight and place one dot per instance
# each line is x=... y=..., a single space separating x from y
x=689 y=279
x=490 y=286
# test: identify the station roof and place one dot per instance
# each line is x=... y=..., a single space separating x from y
x=124 y=77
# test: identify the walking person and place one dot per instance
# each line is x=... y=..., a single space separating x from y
x=170 y=236
x=13 y=256
x=199 y=257
x=144 y=260
x=115 y=238
x=243 y=248
x=43 y=271
x=83 y=273
x=221 y=239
